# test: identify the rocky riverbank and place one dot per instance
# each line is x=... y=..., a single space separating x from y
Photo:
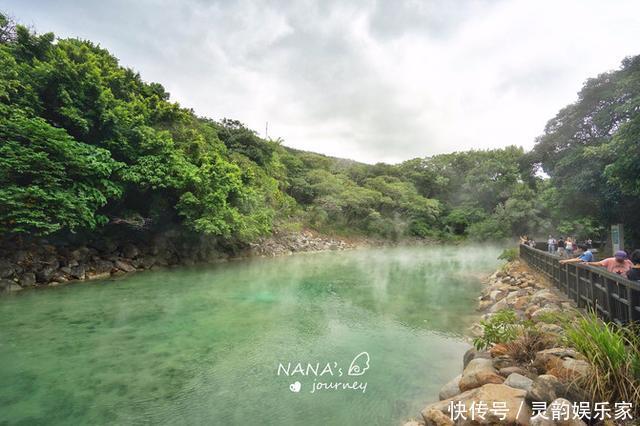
x=527 y=381
x=42 y=263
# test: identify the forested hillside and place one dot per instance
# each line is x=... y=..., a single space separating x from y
x=86 y=142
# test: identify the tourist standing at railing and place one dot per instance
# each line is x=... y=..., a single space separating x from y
x=587 y=257
x=634 y=272
x=569 y=246
x=618 y=264
x=551 y=244
x=561 y=245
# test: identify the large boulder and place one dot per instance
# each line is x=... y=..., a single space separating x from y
x=558 y=413
x=550 y=358
x=479 y=372
x=433 y=417
x=568 y=368
x=451 y=389
x=492 y=396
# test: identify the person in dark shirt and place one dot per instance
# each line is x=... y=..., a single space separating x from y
x=561 y=247
x=634 y=272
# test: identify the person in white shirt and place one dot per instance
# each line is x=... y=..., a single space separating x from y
x=569 y=246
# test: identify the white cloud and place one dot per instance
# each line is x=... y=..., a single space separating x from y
x=372 y=81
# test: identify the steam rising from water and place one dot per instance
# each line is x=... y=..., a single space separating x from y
x=202 y=345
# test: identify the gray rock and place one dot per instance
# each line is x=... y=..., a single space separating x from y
x=451 y=389
x=479 y=372
x=575 y=367
x=505 y=372
x=59 y=277
x=5 y=284
x=503 y=361
x=543 y=357
x=550 y=328
x=433 y=417
x=548 y=309
x=148 y=261
x=124 y=266
x=496 y=295
x=7 y=269
x=546 y=388
x=81 y=254
x=501 y=304
x=78 y=272
x=519 y=381
x=517 y=412
x=102 y=266
x=45 y=274
x=473 y=354
x=130 y=251
x=27 y=279
x=542 y=296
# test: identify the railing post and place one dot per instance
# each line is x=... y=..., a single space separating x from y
x=593 y=299
x=607 y=287
x=634 y=302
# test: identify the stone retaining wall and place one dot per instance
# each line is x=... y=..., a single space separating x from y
x=40 y=263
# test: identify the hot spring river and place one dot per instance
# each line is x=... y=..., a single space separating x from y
x=204 y=345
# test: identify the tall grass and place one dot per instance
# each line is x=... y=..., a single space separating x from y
x=614 y=353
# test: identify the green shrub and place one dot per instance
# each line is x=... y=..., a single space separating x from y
x=501 y=327
x=614 y=353
x=509 y=254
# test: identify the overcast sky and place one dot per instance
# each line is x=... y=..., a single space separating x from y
x=372 y=81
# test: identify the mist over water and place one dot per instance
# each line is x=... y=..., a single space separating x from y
x=202 y=345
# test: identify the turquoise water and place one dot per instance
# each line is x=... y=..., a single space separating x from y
x=203 y=345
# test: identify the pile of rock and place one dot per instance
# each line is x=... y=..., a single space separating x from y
x=490 y=380
x=493 y=377
x=305 y=241
x=528 y=295
x=44 y=264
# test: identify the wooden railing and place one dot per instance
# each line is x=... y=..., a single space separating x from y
x=611 y=296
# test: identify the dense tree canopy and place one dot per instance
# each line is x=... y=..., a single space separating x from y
x=85 y=142
x=591 y=151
